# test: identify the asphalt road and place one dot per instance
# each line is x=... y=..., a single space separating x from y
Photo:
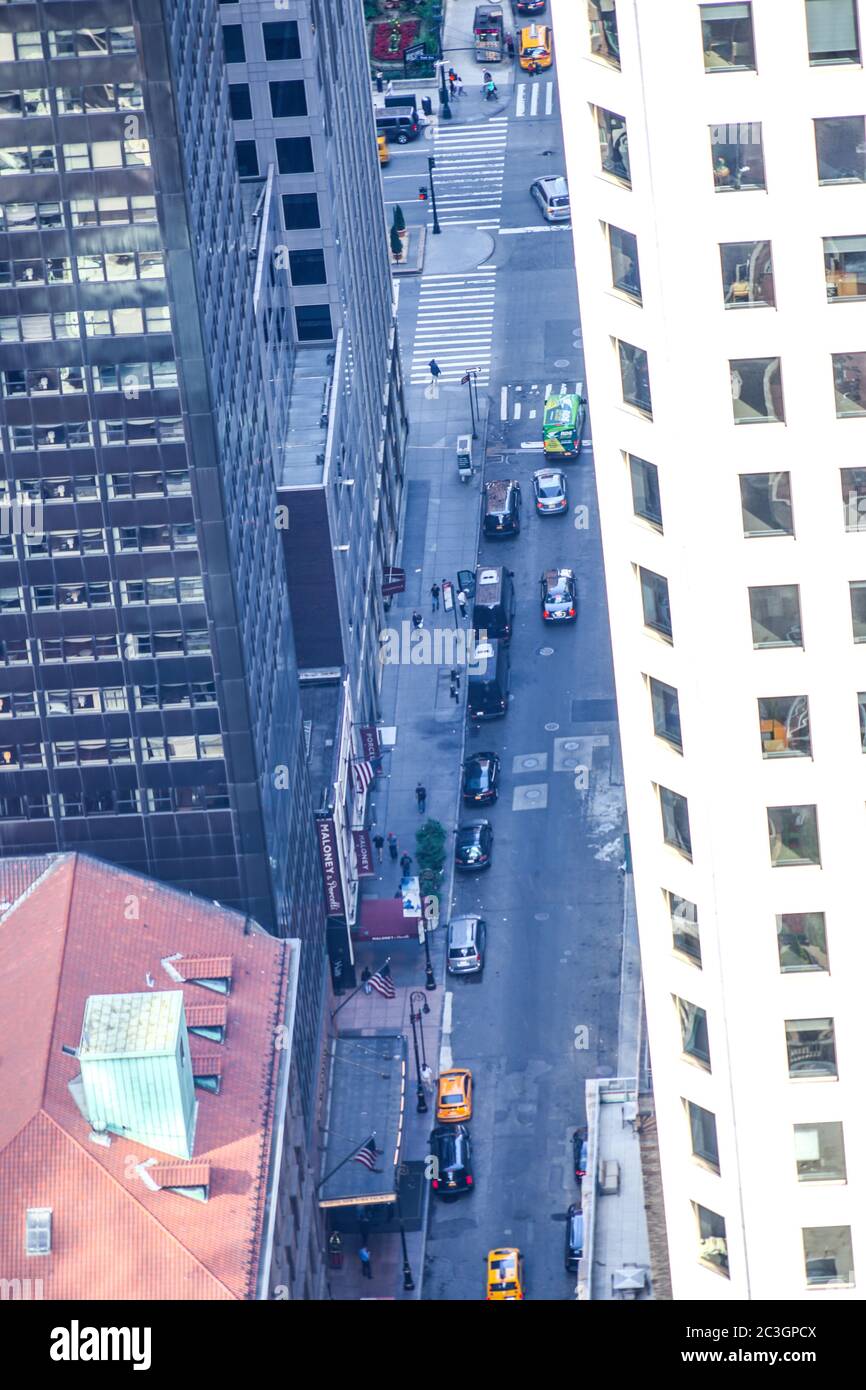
x=553 y=896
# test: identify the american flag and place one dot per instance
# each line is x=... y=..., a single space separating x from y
x=382 y=982
x=364 y=774
x=367 y=1154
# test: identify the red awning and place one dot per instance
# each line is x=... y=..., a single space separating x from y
x=381 y=919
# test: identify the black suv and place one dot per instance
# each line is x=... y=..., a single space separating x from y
x=481 y=778
x=451 y=1150
x=502 y=508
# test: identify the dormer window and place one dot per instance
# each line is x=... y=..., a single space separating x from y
x=37 y=1228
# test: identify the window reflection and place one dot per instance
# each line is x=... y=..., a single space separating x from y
x=747 y=274
x=613 y=140
x=756 y=389
x=738 y=156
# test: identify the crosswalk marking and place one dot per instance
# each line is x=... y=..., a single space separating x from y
x=470 y=172
x=454 y=325
x=535 y=90
x=520 y=400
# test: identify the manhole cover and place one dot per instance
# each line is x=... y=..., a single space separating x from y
x=545 y=651
x=532 y=794
x=529 y=763
x=561 y=362
x=542 y=916
x=570 y=744
x=551 y=728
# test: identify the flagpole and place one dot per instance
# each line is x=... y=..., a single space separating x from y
x=355 y=991
x=346 y=1160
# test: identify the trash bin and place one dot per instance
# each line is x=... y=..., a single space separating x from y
x=427 y=106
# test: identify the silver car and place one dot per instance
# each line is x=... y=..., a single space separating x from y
x=466 y=938
x=551 y=195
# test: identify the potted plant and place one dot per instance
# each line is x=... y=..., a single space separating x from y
x=399 y=221
x=396 y=244
x=430 y=855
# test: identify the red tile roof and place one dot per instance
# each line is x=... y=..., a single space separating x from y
x=204 y=967
x=69 y=935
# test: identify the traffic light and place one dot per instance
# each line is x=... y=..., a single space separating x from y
x=422 y=194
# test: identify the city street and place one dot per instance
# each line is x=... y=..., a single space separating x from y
x=544 y=1017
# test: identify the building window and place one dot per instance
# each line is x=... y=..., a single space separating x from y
x=37 y=1231
x=849 y=383
x=634 y=369
x=775 y=610
x=854 y=498
x=676 y=830
x=729 y=43
x=858 y=608
x=684 y=926
x=828 y=1256
x=666 y=713
x=712 y=1232
x=247 y=158
x=840 y=142
x=696 y=1040
x=756 y=390
x=240 y=105
x=613 y=140
x=645 y=493
x=738 y=157
x=307 y=267
x=811 y=1044
x=656 y=603
x=802 y=941
x=603 y=35
x=784 y=727
x=845 y=268
x=624 y=262
x=766 y=502
x=295 y=156
x=313 y=322
x=288 y=99
x=793 y=832
x=233 y=43
x=747 y=274
x=300 y=211
x=832 y=29
x=281 y=41
x=705 y=1143
x=820 y=1152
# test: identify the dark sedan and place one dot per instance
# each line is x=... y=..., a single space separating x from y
x=481 y=778
x=558 y=596
x=530 y=6
x=451 y=1150
x=474 y=845
x=579 y=1147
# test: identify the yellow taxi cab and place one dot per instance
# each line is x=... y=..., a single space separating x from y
x=454 y=1096
x=384 y=152
x=504 y=1275
x=535 y=47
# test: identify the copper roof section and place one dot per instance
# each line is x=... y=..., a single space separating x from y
x=64 y=938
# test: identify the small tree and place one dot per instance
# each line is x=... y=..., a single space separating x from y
x=399 y=219
x=430 y=854
x=396 y=244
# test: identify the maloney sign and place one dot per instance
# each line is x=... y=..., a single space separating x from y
x=334 y=904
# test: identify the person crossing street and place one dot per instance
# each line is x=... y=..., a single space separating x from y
x=421 y=797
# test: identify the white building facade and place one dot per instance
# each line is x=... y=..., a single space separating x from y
x=717 y=164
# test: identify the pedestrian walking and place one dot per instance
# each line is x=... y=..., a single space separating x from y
x=452 y=76
x=452 y=87
x=434 y=594
x=379 y=842
x=509 y=44
x=492 y=90
x=366 y=976
x=435 y=370
x=417 y=620
x=366 y=1263
x=460 y=91
x=405 y=864
x=392 y=844
x=380 y=82
x=461 y=602
x=421 y=797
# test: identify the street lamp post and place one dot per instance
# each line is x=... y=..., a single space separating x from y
x=408 y=1281
x=445 y=109
x=430 y=978
x=421 y=1107
x=467 y=381
x=418 y=1005
x=431 y=165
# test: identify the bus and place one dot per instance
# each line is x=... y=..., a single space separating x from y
x=563 y=424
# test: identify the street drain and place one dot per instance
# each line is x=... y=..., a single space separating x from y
x=561 y=362
x=545 y=651
x=551 y=728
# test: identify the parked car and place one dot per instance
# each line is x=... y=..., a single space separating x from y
x=505 y=1276
x=579 y=1151
x=502 y=508
x=451 y=1149
x=474 y=845
x=382 y=147
x=551 y=195
x=573 y=1237
x=454 y=1096
x=551 y=493
x=558 y=596
x=467 y=938
x=529 y=6
x=481 y=778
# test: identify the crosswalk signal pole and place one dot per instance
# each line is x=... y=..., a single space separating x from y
x=431 y=165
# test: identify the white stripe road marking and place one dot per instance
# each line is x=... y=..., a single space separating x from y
x=516 y=231
x=521 y=98
x=446 y=1011
x=579 y=388
x=532 y=414
x=533 y=105
x=548 y=99
x=464 y=275
x=503 y=403
x=517 y=410
x=532 y=444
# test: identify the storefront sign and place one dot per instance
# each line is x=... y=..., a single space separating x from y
x=334 y=904
x=363 y=853
x=370 y=741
